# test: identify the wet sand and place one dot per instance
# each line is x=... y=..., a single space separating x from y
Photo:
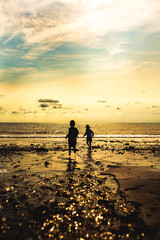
x=108 y=192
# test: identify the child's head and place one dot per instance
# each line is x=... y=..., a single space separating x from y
x=87 y=126
x=72 y=123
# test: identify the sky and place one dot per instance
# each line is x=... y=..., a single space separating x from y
x=80 y=59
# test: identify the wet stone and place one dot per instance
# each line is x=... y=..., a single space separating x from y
x=89 y=176
x=98 y=162
x=42 y=149
x=14 y=176
x=46 y=163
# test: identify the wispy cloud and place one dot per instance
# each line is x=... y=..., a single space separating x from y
x=57 y=106
x=101 y=101
x=155 y=106
x=23 y=111
x=15 y=74
x=15 y=112
x=2 y=110
x=143 y=91
x=98 y=34
x=138 y=102
x=50 y=23
x=29 y=112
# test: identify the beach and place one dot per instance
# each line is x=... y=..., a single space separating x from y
x=73 y=70
x=110 y=191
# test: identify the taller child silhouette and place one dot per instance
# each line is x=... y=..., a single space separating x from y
x=72 y=136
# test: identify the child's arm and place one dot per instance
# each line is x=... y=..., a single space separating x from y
x=77 y=132
x=67 y=135
x=85 y=134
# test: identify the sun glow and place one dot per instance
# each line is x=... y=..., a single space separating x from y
x=96 y=58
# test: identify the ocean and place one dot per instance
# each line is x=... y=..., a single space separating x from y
x=58 y=130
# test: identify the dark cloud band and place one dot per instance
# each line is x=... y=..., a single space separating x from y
x=42 y=100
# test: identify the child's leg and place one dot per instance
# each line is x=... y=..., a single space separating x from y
x=89 y=142
x=74 y=149
x=69 y=150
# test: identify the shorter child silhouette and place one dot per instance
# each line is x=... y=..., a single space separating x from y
x=72 y=136
x=89 y=134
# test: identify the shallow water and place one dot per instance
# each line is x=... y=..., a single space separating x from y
x=73 y=203
x=103 y=128
x=46 y=195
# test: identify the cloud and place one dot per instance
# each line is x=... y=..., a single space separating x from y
x=101 y=101
x=49 y=104
x=29 y=112
x=107 y=106
x=143 y=91
x=67 y=108
x=44 y=105
x=1 y=95
x=2 y=110
x=44 y=25
x=15 y=112
x=15 y=75
x=138 y=102
x=48 y=100
x=57 y=106
x=21 y=110
x=155 y=106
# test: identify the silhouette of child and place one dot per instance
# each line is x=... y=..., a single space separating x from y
x=89 y=134
x=72 y=136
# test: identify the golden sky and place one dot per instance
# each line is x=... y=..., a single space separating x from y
x=80 y=59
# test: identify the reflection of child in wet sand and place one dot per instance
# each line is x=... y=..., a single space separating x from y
x=72 y=136
x=89 y=134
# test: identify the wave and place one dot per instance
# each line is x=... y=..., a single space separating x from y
x=81 y=136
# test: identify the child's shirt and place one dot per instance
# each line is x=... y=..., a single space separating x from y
x=89 y=133
x=73 y=133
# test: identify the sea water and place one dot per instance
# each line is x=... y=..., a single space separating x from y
x=58 y=130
